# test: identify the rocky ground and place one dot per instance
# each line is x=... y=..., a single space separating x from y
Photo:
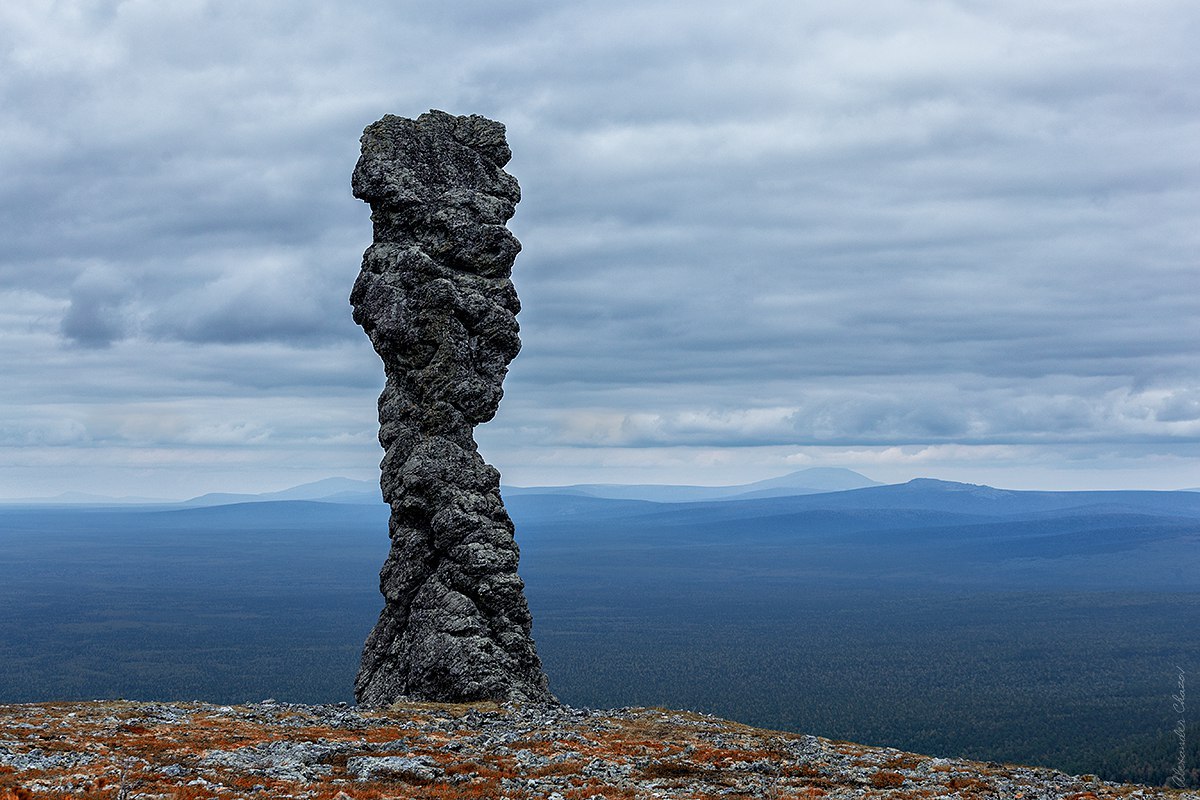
x=131 y=750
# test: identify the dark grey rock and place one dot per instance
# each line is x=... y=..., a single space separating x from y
x=280 y=760
x=37 y=760
x=435 y=298
x=369 y=768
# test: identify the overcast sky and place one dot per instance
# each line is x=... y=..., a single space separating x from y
x=912 y=238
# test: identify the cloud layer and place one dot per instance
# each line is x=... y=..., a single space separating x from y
x=913 y=238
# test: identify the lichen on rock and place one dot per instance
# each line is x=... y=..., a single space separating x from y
x=435 y=299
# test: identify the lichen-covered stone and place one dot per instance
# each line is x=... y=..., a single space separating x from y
x=435 y=298
x=457 y=752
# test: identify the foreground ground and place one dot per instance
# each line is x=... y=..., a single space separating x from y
x=125 y=750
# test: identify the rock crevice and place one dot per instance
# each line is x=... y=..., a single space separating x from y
x=435 y=299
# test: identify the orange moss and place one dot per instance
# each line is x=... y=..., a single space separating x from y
x=959 y=782
x=480 y=791
x=678 y=769
x=496 y=771
x=380 y=735
x=904 y=761
x=886 y=778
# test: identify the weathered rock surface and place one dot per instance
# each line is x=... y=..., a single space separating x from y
x=452 y=752
x=435 y=298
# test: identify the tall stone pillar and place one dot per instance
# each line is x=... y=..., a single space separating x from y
x=435 y=298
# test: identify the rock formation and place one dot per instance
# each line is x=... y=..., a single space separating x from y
x=435 y=298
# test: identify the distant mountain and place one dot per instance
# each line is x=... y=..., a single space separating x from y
x=923 y=495
x=815 y=488
x=969 y=498
x=329 y=490
x=816 y=480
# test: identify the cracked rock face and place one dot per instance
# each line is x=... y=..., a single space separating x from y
x=435 y=298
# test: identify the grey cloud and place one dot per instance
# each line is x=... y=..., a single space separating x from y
x=98 y=311
x=1180 y=406
x=876 y=414
x=273 y=300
